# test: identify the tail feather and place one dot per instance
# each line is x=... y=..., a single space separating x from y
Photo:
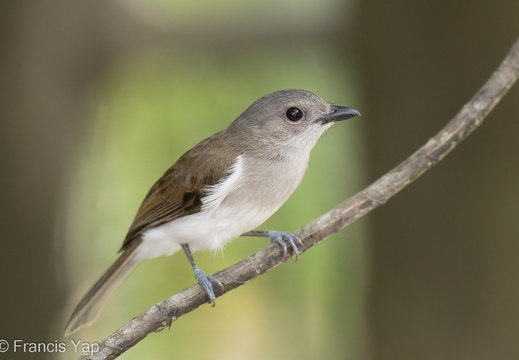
x=92 y=303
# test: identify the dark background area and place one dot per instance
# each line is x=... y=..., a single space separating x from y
x=444 y=250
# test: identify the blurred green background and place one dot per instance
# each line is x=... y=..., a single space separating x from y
x=100 y=98
x=153 y=105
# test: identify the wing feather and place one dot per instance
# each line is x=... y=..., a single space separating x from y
x=179 y=192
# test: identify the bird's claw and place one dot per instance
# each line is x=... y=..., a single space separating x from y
x=284 y=238
x=205 y=282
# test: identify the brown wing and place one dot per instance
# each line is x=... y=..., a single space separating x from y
x=178 y=192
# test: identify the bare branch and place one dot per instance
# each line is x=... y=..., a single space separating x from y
x=470 y=117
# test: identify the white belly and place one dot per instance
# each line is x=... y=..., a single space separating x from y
x=230 y=209
x=201 y=231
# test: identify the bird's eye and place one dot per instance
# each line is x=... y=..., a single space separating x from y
x=294 y=114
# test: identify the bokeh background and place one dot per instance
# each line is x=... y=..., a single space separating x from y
x=99 y=98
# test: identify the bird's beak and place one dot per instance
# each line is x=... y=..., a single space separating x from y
x=339 y=113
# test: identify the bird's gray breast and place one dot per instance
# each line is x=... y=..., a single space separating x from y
x=264 y=183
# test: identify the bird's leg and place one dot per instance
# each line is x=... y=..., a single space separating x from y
x=280 y=238
x=203 y=279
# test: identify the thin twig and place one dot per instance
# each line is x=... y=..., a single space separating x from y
x=470 y=117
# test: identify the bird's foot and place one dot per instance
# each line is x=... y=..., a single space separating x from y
x=285 y=238
x=206 y=282
x=282 y=239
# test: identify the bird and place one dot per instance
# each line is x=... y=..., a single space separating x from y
x=222 y=188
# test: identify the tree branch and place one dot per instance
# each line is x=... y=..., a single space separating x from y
x=470 y=117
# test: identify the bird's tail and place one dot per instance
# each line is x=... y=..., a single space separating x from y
x=91 y=304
